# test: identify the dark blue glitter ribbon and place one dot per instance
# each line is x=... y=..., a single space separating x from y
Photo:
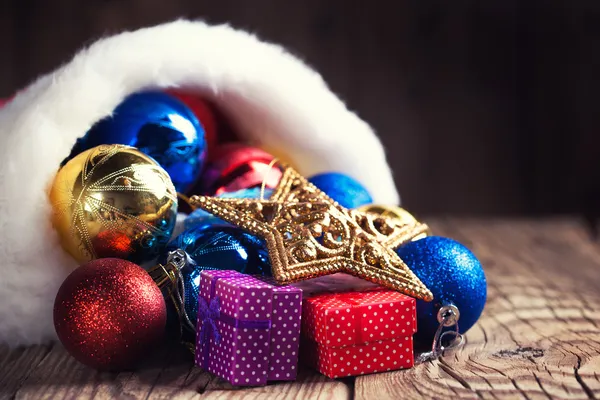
x=210 y=313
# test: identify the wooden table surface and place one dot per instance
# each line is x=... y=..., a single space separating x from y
x=538 y=338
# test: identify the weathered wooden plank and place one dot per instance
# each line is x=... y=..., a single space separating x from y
x=16 y=366
x=50 y=373
x=538 y=337
x=309 y=385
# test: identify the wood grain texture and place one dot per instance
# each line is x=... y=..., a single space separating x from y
x=539 y=337
x=48 y=372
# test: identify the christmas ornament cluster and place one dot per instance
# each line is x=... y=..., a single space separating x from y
x=257 y=270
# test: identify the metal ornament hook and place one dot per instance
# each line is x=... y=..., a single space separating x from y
x=170 y=278
x=447 y=316
x=177 y=258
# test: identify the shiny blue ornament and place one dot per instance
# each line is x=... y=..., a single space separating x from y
x=252 y=193
x=159 y=125
x=343 y=189
x=200 y=218
x=218 y=247
x=453 y=274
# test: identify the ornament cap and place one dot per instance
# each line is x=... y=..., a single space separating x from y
x=169 y=279
x=178 y=258
x=448 y=315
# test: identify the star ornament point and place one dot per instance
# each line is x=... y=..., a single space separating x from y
x=309 y=235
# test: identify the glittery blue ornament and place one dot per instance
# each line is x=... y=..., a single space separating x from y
x=453 y=274
x=343 y=189
x=159 y=125
x=200 y=218
x=218 y=247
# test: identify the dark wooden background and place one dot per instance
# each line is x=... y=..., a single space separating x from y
x=485 y=107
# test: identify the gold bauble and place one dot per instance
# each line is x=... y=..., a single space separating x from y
x=113 y=201
x=396 y=213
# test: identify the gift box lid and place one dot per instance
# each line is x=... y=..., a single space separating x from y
x=348 y=318
x=243 y=297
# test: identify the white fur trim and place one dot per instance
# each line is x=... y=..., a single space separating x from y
x=272 y=98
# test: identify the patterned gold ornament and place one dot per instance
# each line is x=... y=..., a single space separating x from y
x=398 y=214
x=113 y=201
x=308 y=235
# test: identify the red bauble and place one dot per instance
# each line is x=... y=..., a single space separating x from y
x=109 y=313
x=205 y=114
x=236 y=167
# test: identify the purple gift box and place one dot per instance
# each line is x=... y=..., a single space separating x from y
x=248 y=329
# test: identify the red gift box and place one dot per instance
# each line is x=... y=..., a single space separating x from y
x=355 y=333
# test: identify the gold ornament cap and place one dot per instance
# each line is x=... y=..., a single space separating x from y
x=396 y=213
x=113 y=201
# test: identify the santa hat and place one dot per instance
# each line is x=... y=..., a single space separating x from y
x=272 y=98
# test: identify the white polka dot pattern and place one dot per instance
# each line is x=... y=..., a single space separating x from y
x=247 y=356
x=361 y=359
x=344 y=333
x=343 y=319
x=285 y=333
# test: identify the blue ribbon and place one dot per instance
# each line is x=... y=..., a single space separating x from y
x=210 y=313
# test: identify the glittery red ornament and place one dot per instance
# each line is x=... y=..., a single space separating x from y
x=236 y=167
x=109 y=313
x=205 y=114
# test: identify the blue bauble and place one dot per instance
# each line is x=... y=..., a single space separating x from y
x=218 y=247
x=251 y=193
x=200 y=218
x=343 y=189
x=159 y=125
x=453 y=274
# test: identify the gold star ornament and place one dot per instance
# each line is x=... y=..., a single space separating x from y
x=308 y=235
